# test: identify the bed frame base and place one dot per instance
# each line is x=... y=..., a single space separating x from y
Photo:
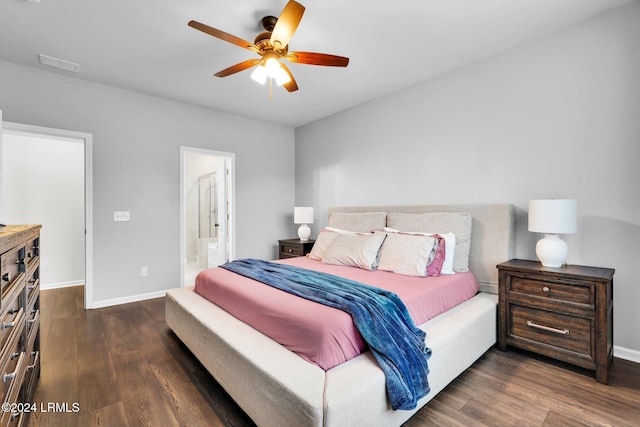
x=275 y=387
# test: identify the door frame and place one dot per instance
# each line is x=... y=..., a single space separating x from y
x=46 y=132
x=231 y=157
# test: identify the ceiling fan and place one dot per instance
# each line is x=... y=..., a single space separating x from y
x=272 y=46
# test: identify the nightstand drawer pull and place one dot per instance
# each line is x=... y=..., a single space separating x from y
x=547 y=328
x=545 y=289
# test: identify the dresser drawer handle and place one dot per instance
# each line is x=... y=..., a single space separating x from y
x=35 y=355
x=7 y=377
x=289 y=250
x=545 y=289
x=6 y=325
x=547 y=328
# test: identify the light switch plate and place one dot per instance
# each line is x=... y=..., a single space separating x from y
x=121 y=216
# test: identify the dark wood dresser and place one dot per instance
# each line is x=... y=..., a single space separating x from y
x=20 y=320
x=565 y=313
x=290 y=248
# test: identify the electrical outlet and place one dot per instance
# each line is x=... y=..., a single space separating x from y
x=45 y=265
x=144 y=271
x=121 y=216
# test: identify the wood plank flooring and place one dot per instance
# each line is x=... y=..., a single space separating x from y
x=124 y=367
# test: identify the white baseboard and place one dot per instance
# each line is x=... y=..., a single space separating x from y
x=126 y=300
x=626 y=353
x=45 y=286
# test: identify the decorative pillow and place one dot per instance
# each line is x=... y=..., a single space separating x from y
x=407 y=254
x=449 y=248
x=435 y=266
x=354 y=250
x=324 y=239
x=356 y=221
x=458 y=223
x=449 y=255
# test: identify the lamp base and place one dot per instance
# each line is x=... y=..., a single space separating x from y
x=552 y=251
x=304 y=232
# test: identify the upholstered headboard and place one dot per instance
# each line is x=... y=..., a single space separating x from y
x=492 y=234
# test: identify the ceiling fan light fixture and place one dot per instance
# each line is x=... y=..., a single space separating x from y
x=282 y=77
x=259 y=75
x=272 y=66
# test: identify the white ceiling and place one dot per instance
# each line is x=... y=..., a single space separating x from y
x=146 y=45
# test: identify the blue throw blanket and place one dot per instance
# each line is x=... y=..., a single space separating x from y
x=379 y=315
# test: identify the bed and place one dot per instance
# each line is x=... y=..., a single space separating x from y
x=276 y=387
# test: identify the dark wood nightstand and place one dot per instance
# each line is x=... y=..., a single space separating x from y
x=290 y=248
x=565 y=313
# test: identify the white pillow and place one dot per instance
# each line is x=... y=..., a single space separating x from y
x=324 y=239
x=354 y=250
x=459 y=223
x=407 y=254
x=449 y=245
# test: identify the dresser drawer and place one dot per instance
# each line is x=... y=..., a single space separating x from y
x=12 y=370
x=563 y=292
x=33 y=287
x=13 y=374
x=32 y=372
x=32 y=252
x=12 y=268
x=33 y=324
x=561 y=331
x=11 y=321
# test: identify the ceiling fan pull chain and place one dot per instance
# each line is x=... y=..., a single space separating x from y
x=270 y=88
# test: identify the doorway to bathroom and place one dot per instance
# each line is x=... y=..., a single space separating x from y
x=206 y=212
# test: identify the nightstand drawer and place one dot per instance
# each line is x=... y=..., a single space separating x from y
x=291 y=250
x=572 y=293
x=552 y=329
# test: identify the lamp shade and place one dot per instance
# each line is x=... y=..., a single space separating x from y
x=303 y=215
x=553 y=216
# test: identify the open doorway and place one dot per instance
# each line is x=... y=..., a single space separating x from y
x=206 y=212
x=46 y=180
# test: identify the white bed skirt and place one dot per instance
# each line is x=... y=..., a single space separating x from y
x=275 y=387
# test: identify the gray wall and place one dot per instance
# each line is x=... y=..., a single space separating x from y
x=136 y=167
x=556 y=117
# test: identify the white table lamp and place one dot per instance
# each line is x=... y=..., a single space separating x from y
x=303 y=216
x=552 y=217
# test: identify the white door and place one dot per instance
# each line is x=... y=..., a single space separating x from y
x=222 y=173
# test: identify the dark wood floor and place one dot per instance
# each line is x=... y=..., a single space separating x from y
x=123 y=367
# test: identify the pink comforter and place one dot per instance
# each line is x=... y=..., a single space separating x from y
x=323 y=335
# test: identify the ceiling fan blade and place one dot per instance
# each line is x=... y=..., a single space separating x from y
x=238 y=67
x=313 y=58
x=223 y=36
x=291 y=85
x=287 y=24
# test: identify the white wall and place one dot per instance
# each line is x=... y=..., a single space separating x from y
x=556 y=117
x=136 y=167
x=43 y=183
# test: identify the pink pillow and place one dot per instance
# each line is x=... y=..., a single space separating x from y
x=435 y=267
